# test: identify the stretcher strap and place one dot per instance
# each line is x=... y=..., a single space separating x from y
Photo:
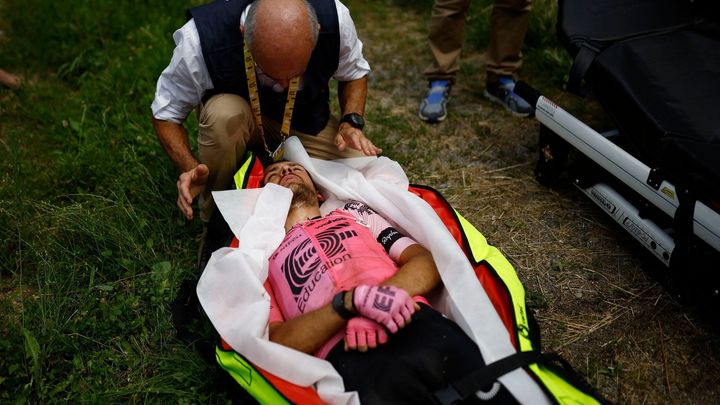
x=583 y=59
x=485 y=376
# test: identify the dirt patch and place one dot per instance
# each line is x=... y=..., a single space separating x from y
x=584 y=278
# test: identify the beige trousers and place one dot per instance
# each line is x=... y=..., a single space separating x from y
x=503 y=56
x=228 y=129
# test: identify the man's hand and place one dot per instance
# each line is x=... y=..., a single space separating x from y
x=349 y=136
x=190 y=184
x=362 y=333
x=388 y=305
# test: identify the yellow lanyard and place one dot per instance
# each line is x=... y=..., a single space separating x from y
x=255 y=105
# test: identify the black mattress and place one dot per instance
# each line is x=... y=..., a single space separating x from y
x=656 y=72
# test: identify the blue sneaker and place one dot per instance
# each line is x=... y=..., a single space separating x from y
x=502 y=93
x=433 y=106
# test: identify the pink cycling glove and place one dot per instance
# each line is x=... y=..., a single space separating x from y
x=389 y=306
x=361 y=333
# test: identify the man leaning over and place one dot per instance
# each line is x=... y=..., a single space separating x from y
x=283 y=52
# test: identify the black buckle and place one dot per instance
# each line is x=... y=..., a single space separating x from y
x=654 y=178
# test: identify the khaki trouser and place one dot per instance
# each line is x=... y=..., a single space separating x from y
x=227 y=129
x=503 y=56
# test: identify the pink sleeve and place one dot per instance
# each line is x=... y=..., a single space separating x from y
x=399 y=246
x=390 y=238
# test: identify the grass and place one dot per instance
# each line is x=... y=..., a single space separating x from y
x=92 y=253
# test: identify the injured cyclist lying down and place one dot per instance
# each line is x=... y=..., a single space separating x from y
x=349 y=280
x=351 y=283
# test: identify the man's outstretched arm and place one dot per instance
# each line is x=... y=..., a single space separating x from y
x=352 y=95
x=174 y=139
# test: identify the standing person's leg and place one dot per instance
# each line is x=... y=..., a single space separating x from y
x=503 y=57
x=445 y=39
x=508 y=24
x=226 y=129
x=447 y=32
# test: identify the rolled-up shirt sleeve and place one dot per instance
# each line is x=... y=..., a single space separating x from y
x=184 y=81
x=352 y=64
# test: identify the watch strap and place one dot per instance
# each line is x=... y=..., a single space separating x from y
x=338 y=305
x=354 y=119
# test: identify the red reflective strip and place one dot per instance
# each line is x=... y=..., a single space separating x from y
x=293 y=392
x=498 y=294
x=257 y=174
x=444 y=212
x=254 y=180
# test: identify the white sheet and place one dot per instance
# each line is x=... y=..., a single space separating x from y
x=231 y=287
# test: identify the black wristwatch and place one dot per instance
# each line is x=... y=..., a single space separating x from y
x=338 y=304
x=354 y=119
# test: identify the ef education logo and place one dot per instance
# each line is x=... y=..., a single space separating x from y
x=384 y=299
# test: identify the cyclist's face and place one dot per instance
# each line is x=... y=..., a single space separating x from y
x=287 y=173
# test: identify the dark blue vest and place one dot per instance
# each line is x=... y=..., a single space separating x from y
x=218 y=24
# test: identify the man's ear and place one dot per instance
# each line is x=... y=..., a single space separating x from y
x=320 y=198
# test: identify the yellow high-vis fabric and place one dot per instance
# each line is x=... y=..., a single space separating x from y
x=241 y=175
x=481 y=251
x=248 y=378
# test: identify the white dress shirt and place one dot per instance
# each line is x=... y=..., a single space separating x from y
x=183 y=83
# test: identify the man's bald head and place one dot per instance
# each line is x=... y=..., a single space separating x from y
x=281 y=35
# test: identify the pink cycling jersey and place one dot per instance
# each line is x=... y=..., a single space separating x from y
x=350 y=246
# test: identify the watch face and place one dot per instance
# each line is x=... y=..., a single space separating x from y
x=354 y=119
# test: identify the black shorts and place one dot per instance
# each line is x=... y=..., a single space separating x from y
x=419 y=359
